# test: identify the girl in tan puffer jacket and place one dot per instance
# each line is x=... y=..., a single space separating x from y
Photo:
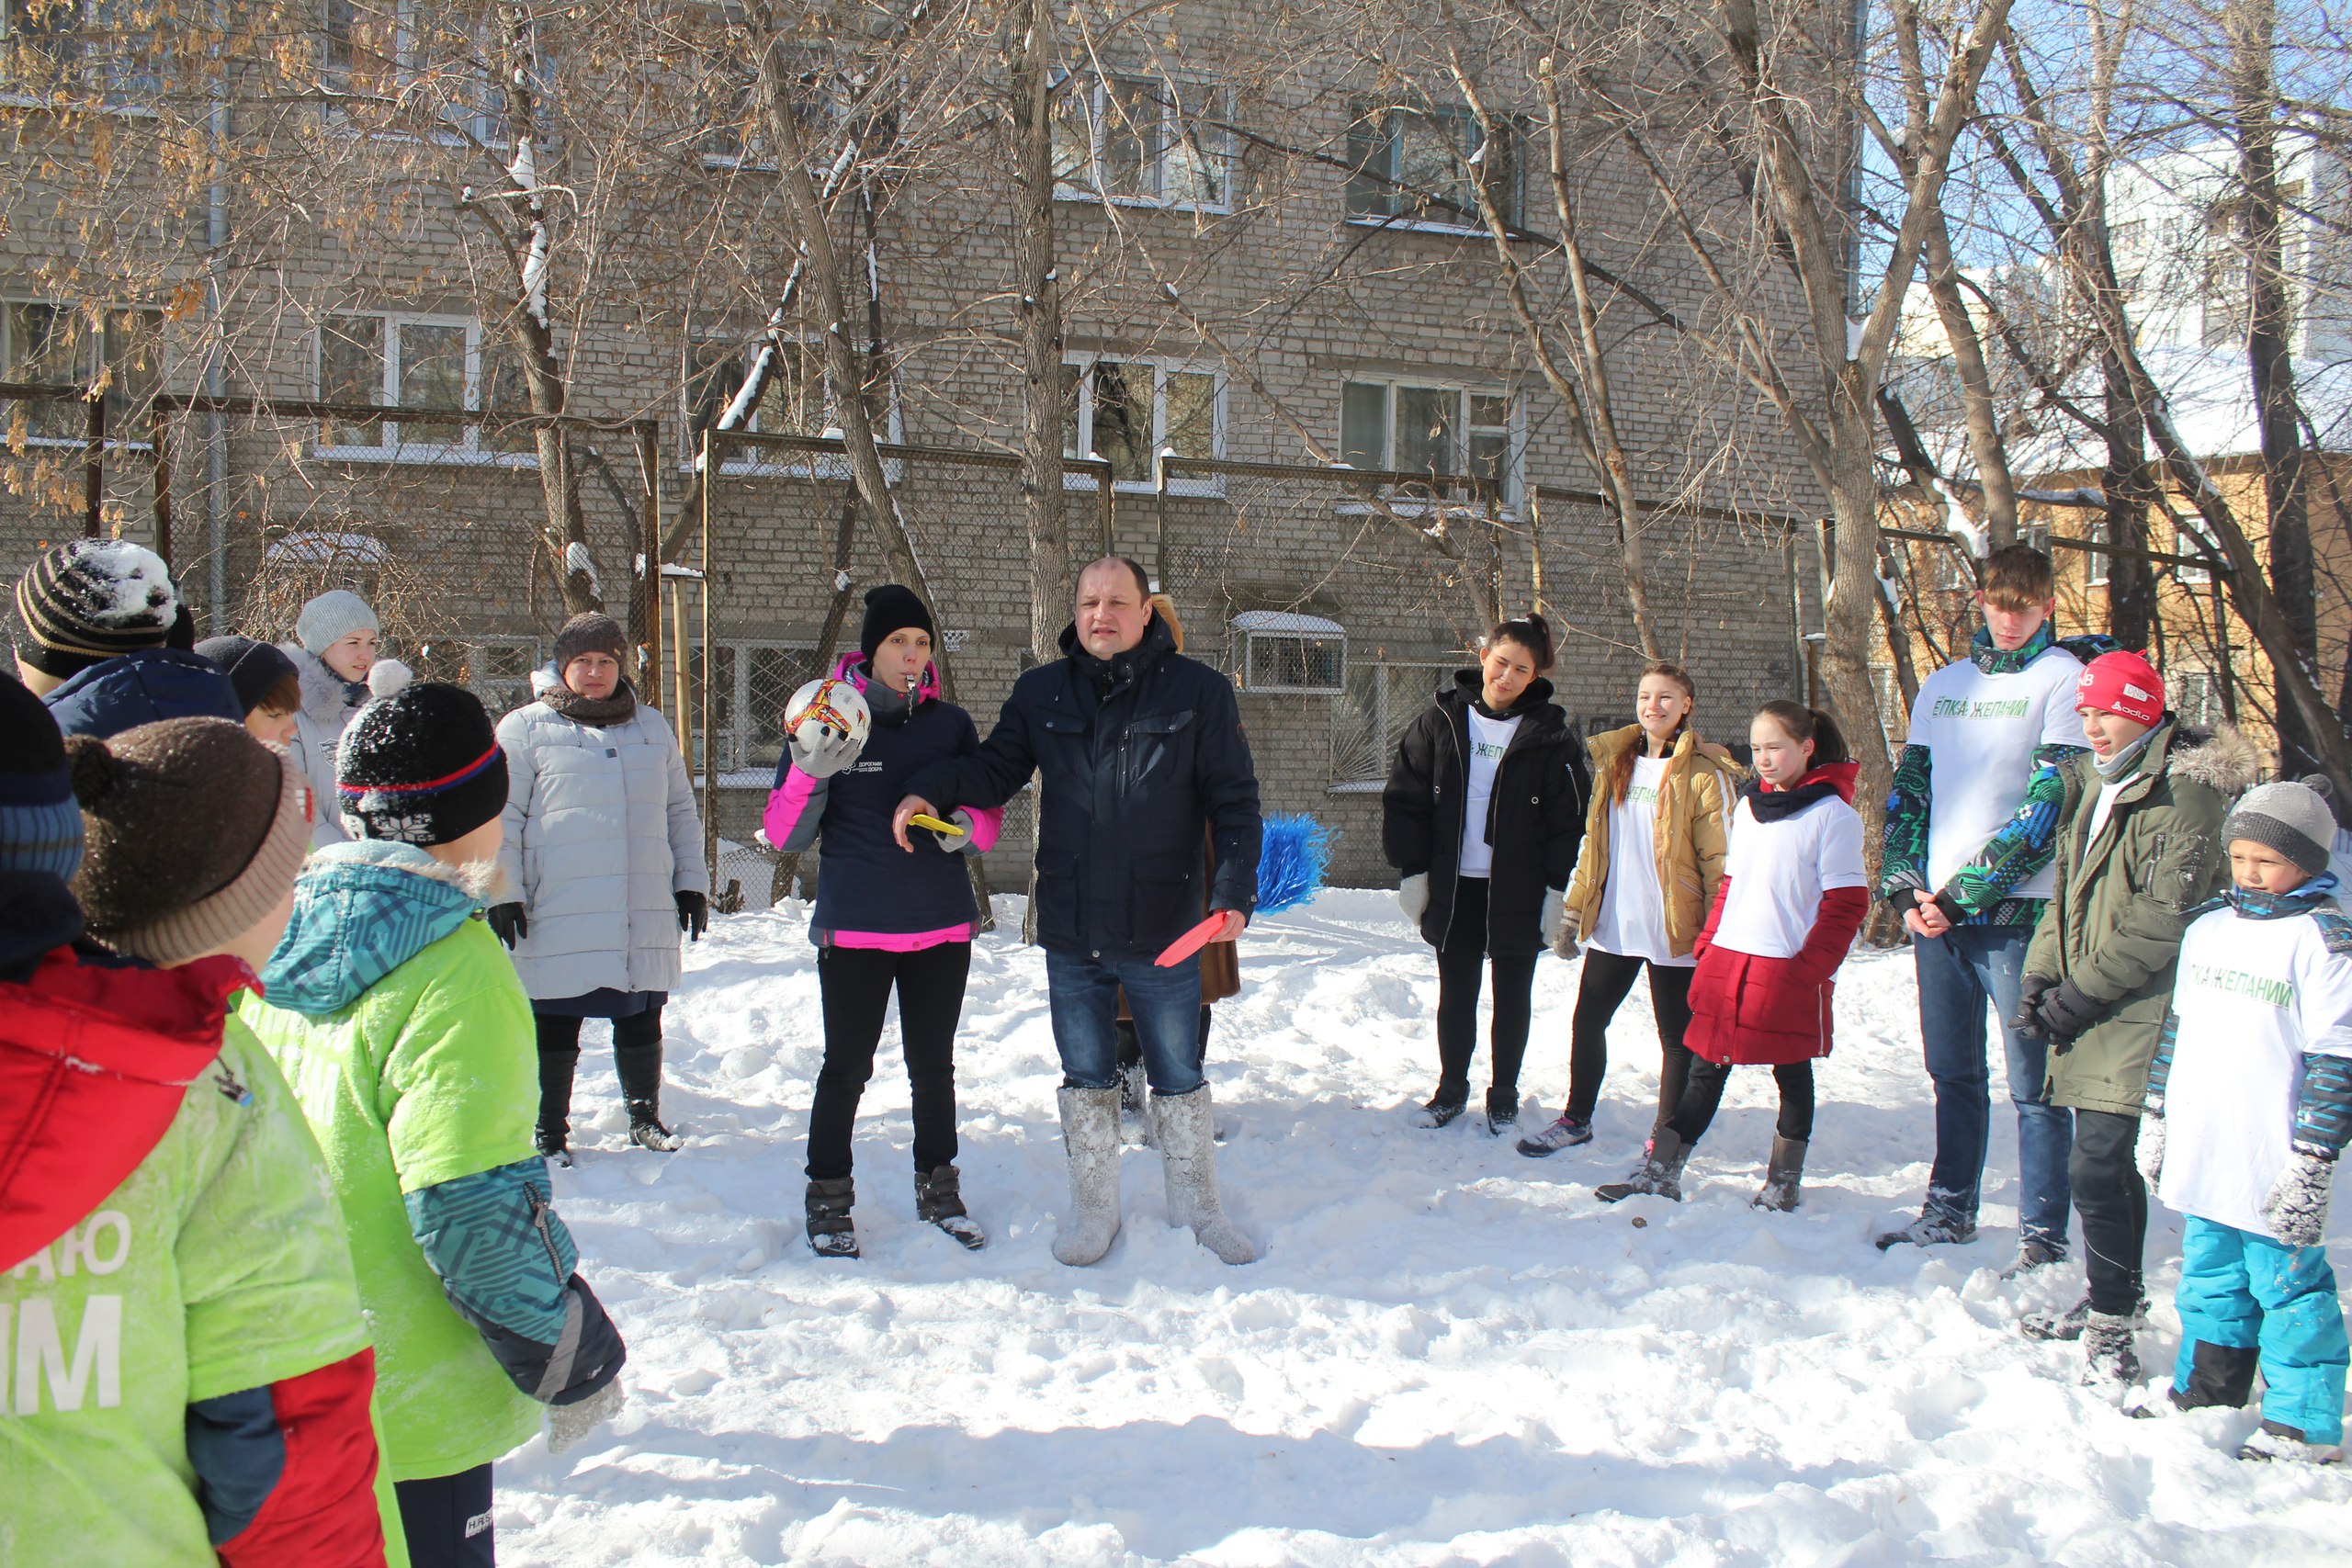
x=1653 y=848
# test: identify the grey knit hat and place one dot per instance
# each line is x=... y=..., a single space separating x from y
x=2293 y=818
x=332 y=617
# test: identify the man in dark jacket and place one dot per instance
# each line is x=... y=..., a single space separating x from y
x=1141 y=751
x=98 y=617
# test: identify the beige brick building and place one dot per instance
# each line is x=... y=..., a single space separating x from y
x=1325 y=235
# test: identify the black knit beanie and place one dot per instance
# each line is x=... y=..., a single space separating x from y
x=591 y=631
x=420 y=767
x=196 y=830
x=887 y=609
x=91 y=600
x=257 y=669
x=40 y=827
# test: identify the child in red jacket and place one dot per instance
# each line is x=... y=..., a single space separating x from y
x=1793 y=895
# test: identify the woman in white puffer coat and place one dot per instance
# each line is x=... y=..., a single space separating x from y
x=604 y=864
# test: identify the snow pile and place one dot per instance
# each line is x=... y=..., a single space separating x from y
x=1449 y=1355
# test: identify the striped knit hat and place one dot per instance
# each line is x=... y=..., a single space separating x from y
x=41 y=829
x=91 y=600
x=196 y=830
x=420 y=767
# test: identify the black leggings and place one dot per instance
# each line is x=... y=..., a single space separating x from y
x=1705 y=1092
x=637 y=1057
x=1461 y=965
x=1602 y=988
x=855 y=982
x=446 y=1520
x=2113 y=1201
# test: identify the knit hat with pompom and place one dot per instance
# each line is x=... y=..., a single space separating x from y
x=421 y=766
x=91 y=600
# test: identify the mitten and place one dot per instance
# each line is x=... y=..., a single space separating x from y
x=2027 y=1021
x=2149 y=1155
x=830 y=752
x=1548 y=915
x=2065 y=1013
x=1413 y=895
x=694 y=914
x=509 y=923
x=1564 y=945
x=569 y=1425
x=2297 y=1205
x=957 y=844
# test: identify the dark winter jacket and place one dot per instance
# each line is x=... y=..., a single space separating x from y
x=867 y=886
x=145 y=687
x=2122 y=901
x=1138 y=753
x=1534 y=817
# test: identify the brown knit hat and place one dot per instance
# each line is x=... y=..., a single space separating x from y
x=591 y=631
x=195 y=831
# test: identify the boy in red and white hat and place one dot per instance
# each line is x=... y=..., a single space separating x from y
x=2137 y=851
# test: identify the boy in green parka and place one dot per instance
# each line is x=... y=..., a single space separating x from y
x=399 y=1022
x=2137 y=850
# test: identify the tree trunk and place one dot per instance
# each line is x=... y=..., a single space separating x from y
x=2251 y=25
x=1042 y=506
x=2124 y=485
x=1850 y=607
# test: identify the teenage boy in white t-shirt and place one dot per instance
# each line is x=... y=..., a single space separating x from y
x=2249 y=1107
x=1966 y=862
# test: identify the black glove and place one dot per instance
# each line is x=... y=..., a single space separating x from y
x=694 y=914
x=2031 y=990
x=510 y=922
x=2065 y=1012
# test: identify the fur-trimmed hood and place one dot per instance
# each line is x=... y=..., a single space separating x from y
x=2220 y=758
x=326 y=697
x=363 y=908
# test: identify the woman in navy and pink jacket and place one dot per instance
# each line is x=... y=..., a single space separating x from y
x=884 y=916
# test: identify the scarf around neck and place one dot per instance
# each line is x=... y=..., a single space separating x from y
x=595 y=712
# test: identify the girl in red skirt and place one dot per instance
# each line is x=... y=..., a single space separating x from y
x=1793 y=895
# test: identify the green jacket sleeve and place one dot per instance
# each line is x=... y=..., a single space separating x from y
x=2046 y=953
x=2180 y=870
x=1903 y=849
x=2022 y=845
x=460 y=1080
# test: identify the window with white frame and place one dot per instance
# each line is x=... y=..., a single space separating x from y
x=2191 y=538
x=57 y=344
x=754 y=680
x=498 y=670
x=1377 y=700
x=110 y=48
x=2095 y=562
x=1429 y=427
x=1282 y=650
x=1147 y=140
x=406 y=360
x=1126 y=412
x=1427 y=166
x=2196 y=696
x=376 y=54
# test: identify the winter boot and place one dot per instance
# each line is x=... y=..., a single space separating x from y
x=2110 y=1349
x=2034 y=1252
x=1440 y=1112
x=1660 y=1173
x=829 y=1230
x=939 y=1201
x=1939 y=1225
x=1566 y=1132
x=1189 y=1163
x=639 y=1064
x=1502 y=1114
x=1783 y=1187
x=2069 y=1325
x=1090 y=1139
x=2274 y=1440
x=557 y=1065
x=1135 y=1106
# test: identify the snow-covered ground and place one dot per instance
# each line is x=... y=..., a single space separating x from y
x=1449 y=1354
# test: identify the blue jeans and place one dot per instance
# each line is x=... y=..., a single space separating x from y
x=1083 y=993
x=2244 y=1291
x=1960 y=973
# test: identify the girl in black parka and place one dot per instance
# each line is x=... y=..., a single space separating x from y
x=1483 y=814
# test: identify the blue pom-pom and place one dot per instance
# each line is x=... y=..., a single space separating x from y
x=1290 y=867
